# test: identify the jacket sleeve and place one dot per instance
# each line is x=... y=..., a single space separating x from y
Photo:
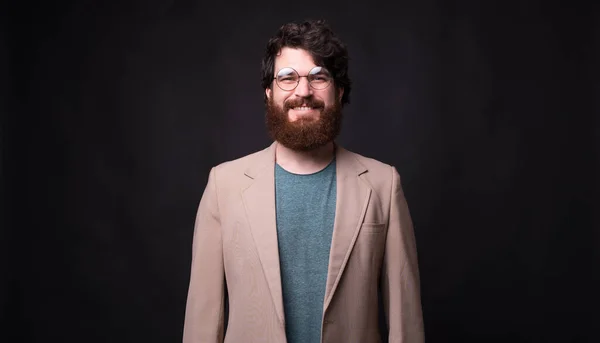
x=400 y=274
x=205 y=300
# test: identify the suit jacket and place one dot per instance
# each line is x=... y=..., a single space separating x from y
x=372 y=265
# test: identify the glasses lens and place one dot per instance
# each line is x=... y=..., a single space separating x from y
x=287 y=78
x=319 y=78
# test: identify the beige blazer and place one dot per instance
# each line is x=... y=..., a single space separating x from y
x=235 y=257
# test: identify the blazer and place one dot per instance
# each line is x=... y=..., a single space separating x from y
x=372 y=273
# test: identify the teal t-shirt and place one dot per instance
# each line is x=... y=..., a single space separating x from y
x=305 y=217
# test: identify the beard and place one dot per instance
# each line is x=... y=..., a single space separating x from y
x=304 y=134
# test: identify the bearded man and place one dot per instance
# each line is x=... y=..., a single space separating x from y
x=304 y=241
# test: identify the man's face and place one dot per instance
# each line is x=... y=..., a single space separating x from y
x=303 y=118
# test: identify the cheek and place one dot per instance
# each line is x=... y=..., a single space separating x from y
x=329 y=98
x=279 y=98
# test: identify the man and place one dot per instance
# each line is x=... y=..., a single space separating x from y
x=304 y=241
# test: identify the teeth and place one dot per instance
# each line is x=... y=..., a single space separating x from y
x=303 y=108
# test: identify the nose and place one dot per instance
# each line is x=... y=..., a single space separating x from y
x=303 y=89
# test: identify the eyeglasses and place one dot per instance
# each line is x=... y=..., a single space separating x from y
x=288 y=79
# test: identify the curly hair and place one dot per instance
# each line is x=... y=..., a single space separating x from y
x=316 y=37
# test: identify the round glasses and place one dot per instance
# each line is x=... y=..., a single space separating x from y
x=288 y=78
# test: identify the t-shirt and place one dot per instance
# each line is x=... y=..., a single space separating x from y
x=305 y=218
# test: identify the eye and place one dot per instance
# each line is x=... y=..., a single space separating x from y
x=319 y=78
x=287 y=75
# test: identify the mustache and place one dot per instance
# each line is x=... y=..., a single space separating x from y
x=314 y=103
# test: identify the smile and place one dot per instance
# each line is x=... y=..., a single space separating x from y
x=303 y=108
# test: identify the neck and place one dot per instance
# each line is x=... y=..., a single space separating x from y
x=304 y=162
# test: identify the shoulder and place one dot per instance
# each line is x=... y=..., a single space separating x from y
x=229 y=171
x=240 y=164
x=373 y=165
x=379 y=174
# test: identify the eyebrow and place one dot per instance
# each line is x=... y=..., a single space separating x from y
x=280 y=70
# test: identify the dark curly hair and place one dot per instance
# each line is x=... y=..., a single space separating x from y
x=316 y=37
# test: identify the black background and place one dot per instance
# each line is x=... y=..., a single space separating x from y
x=117 y=110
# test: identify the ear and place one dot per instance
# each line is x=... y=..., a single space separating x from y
x=340 y=93
x=268 y=92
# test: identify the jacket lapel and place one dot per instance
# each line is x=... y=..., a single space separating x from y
x=259 y=203
x=352 y=198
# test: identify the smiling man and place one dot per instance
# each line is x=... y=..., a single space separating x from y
x=304 y=241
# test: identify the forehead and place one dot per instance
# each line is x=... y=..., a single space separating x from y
x=298 y=59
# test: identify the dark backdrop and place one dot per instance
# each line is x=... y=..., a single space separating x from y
x=117 y=110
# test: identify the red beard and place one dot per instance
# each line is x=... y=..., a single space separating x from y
x=304 y=134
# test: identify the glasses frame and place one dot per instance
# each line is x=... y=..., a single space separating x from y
x=301 y=76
